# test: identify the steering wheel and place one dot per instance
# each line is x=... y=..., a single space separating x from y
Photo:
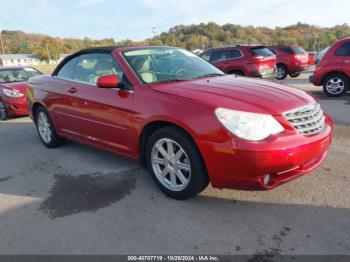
x=180 y=71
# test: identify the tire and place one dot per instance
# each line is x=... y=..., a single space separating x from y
x=3 y=111
x=192 y=178
x=335 y=85
x=294 y=74
x=46 y=130
x=281 y=72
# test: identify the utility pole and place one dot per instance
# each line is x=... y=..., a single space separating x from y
x=2 y=43
x=315 y=42
x=48 y=52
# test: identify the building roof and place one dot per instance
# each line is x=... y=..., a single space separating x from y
x=18 y=56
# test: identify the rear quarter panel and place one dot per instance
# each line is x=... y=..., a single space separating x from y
x=47 y=91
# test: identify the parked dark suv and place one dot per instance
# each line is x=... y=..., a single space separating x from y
x=333 y=70
x=290 y=60
x=247 y=60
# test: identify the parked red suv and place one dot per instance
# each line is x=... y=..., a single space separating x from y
x=290 y=60
x=254 y=61
x=187 y=120
x=333 y=70
x=12 y=90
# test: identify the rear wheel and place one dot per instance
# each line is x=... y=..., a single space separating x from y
x=281 y=72
x=46 y=130
x=3 y=111
x=294 y=74
x=176 y=164
x=335 y=85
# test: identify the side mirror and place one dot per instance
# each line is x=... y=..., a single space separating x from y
x=108 y=81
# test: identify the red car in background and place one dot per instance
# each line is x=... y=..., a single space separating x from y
x=290 y=60
x=188 y=121
x=245 y=60
x=333 y=70
x=312 y=56
x=12 y=90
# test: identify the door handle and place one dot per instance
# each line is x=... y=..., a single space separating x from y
x=72 y=90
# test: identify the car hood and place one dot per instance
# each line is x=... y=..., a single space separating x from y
x=239 y=93
x=20 y=86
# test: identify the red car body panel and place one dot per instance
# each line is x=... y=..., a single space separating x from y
x=114 y=120
x=260 y=67
x=295 y=63
x=331 y=63
x=16 y=106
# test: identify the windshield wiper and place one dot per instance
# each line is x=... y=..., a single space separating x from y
x=209 y=75
x=170 y=80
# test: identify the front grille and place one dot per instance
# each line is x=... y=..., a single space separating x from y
x=307 y=120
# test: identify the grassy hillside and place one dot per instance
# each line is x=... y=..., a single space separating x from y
x=200 y=36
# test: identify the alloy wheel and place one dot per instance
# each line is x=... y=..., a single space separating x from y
x=335 y=86
x=171 y=164
x=44 y=127
x=280 y=72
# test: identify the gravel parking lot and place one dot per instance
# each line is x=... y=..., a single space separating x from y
x=79 y=200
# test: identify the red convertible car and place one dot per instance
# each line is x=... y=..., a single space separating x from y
x=189 y=122
x=12 y=90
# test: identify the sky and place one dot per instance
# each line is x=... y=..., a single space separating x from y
x=134 y=19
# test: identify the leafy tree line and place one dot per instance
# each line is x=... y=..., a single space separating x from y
x=201 y=36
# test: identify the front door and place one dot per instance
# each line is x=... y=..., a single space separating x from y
x=102 y=116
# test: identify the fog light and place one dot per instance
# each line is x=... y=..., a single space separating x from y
x=267 y=179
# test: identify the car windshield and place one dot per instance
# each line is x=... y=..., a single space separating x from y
x=155 y=65
x=17 y=75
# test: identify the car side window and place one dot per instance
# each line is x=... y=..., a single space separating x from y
x=287 y=50
x=235 y=53
x=343 y=50
x=91 y=66
x=206 y=56
x=67 y=70
x=273 y=51
x=225 y=54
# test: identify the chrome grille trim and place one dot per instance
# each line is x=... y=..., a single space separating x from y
x=307 y=120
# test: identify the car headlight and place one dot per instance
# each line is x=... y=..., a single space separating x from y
x=12 y=93
x=249 y=126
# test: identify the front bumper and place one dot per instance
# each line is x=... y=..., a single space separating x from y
x=243 y=166
x=16 y=106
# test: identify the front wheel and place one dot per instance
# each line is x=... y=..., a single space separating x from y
x=46 y=130
x=176 y=164
x=3 y=111
x=335 y=85
x=294 y=74
x=281 y=72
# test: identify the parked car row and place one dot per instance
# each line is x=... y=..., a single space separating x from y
x=332 y=71
x=259 y=61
